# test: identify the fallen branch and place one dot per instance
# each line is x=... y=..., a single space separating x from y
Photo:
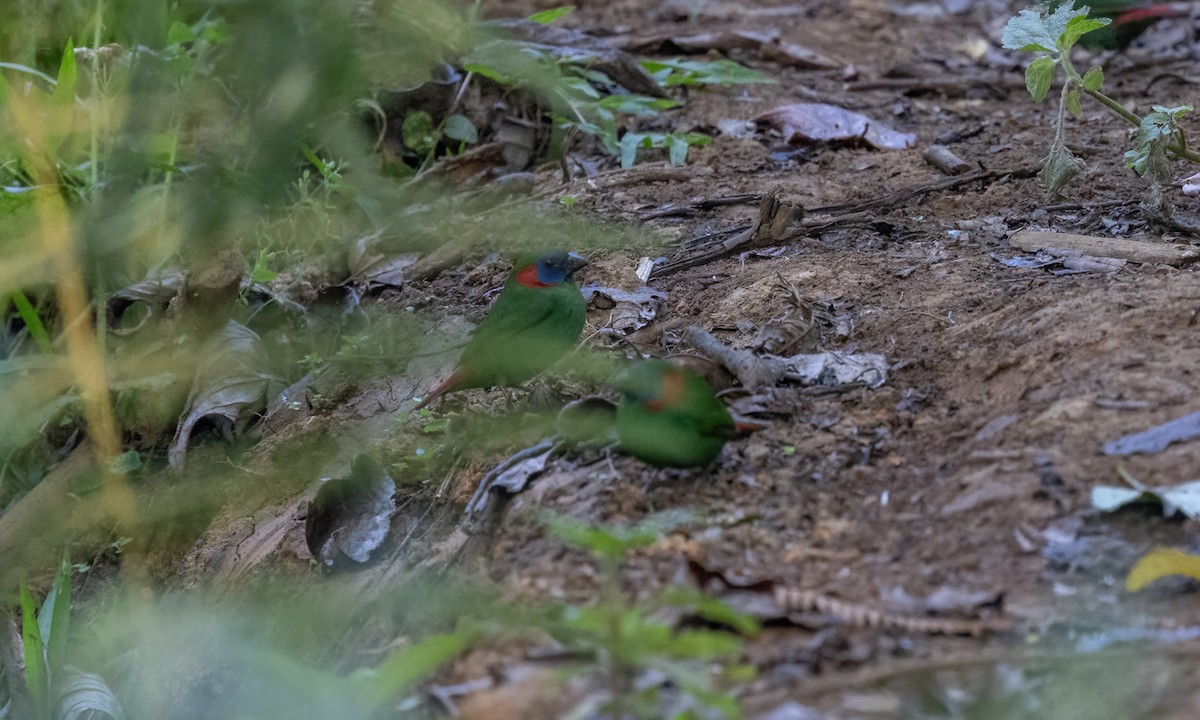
x=1122 y=248
x=751 y=236
x=751 y=370
x=755 y=370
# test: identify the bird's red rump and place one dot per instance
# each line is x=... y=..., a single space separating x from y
x=528 y=276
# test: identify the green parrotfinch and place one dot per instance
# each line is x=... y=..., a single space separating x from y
x=534 y=322
x=669 y=417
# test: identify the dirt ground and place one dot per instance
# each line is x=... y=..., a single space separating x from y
x=966 y=475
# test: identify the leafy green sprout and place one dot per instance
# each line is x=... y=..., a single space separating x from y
x=628 y=637
x=676 y=145
x=1157 y=128
x=260 y=271
x=423 y=137
x=1054 y=33
x=311 y=361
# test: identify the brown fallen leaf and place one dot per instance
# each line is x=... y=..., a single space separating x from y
x=231 y=383
x=768 y=44
x=151 y=294
x=350 y=517
x=821 y=123
x=628 y=311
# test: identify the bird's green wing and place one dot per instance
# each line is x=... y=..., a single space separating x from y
x=525 y=332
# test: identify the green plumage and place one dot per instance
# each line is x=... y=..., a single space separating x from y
x=526 y=331
x=669 y=417
x=534 y=322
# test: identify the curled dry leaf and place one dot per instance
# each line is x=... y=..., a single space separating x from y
x=821 y=123
x=84 y=696
x=512 y=475
x=1157 y=438
x=230 y=383
x=628 y=311
x=154 y=294
x=834 y=368
x=1191 y=185
x=371 y=266
x=829 y=368
x=350 y=517
x=781 y=334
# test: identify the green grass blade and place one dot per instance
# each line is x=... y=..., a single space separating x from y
x=33 y=322
x=35 y=658
x=64 y=91
x=55 y=618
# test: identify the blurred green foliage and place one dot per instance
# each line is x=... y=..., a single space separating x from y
x=188 y=168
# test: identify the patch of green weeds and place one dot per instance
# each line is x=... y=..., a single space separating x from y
x=676 y=145
x=583 y=99
x=423 y=138
x=50 y=685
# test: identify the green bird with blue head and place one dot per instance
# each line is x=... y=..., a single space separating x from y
x=535 y=322
x=668 y=416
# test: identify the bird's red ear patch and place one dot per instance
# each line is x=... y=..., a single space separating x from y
x=528 y=276
x=673 y=386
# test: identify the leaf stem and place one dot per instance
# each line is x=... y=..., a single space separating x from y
x=1178 y=148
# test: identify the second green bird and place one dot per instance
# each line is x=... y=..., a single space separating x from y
x=668 y=416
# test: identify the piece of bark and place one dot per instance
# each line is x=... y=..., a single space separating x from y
x=1132 y=250
x=944 y=159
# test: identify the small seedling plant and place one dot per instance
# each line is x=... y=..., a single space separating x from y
x=51 y=688
x=632 y=643
x=1053 y=32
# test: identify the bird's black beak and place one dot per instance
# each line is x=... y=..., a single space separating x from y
x=575 y=261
